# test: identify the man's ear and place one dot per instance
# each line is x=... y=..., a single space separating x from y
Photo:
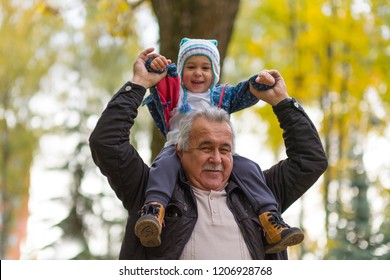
x=178 y=152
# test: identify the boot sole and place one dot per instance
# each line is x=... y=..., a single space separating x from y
x=292 y=239
x=148 y=231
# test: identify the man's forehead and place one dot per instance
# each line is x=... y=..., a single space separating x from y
x=203 y=129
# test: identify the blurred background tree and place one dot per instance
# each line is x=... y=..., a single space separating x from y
x=333 y=55
x=25 y=56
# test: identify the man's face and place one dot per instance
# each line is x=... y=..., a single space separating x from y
x=209 y=160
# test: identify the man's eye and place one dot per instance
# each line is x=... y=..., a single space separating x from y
x=205 y=149
x=225 y=151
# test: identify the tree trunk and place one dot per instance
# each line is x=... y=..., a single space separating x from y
x=201 y=19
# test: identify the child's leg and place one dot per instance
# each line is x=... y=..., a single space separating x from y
x=253 y=182
x=163 y=176
x=160 y=186
x=278 y=234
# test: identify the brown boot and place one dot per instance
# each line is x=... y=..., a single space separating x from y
x=149 y=225
x=277 y=233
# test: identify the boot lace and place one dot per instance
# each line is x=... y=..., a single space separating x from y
x=152 y=209
x=277 y=221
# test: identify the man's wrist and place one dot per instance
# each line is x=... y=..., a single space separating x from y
x=287 y=103
x=139 y=82
x=131 y=86
x=284 y=101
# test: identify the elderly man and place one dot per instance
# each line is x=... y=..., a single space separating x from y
x=210 y=215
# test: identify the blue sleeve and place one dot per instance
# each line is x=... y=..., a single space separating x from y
x=235 y=98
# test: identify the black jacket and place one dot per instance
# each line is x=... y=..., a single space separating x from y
x=127 y=175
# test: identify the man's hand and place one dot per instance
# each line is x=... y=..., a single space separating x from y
x=141 y=76
x=274 y=95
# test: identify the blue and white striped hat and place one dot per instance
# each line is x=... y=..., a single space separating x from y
x=192 y=47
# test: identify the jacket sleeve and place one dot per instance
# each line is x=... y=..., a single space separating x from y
x=306 y=160
x=234 y=98
x=111 y=150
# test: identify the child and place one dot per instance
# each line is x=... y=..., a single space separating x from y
x=192 y=87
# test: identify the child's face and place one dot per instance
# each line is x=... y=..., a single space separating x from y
x=198 y=74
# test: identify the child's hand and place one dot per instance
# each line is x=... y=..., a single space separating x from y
x=141 y=75
x=158 y=64
x=262 y=82
x=276 y=91
x=265 y=78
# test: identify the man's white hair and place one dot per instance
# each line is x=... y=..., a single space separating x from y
x=212 y=114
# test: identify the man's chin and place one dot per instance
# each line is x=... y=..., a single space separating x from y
x=214 y=184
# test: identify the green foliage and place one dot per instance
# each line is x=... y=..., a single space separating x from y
x=382 y=237
x=25 y=55
x=18 y=144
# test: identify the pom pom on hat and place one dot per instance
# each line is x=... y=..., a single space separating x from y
x=185 y=108
x=192 y=47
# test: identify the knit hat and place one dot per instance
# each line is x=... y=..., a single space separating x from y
x=192 y=47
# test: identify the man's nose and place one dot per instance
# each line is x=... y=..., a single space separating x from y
x=215 y=156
